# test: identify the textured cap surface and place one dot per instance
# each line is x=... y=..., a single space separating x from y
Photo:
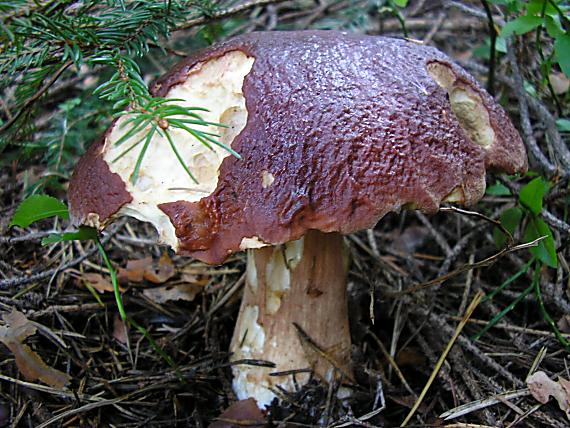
x=341 y=129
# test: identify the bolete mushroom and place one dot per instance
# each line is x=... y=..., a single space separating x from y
x=335 y=130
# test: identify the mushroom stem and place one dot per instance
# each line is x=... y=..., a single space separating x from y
x=294 y=314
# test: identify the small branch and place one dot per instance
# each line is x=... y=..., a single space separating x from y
x=467 y=267
x=225 y=13
x=13 y=282
x=440 y=361
x=493 y=53
x=555 y=222
x=526 y=126
x=36 y=96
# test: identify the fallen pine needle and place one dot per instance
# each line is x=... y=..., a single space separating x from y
x=473 y=406
x=462 y=425
x=476 y=300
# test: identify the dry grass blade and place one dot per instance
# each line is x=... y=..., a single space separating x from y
x=467 y=408
x=476 y=300
x=306 y=340
x=469 y=266
x=462 y=425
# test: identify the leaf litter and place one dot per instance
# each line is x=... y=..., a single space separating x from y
x=543 y=387
x=17 y=329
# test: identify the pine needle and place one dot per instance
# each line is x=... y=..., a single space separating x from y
x=476 y=300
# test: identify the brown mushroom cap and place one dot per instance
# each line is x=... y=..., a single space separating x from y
x=341 y=129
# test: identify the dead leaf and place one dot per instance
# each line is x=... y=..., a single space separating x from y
x=141 y=269
x=120 y=330
x=564 y=324
x=196 y=279
x=96 y=280
x=241 y=413
x=161 y=272
x=560 y=83
x=99 y=282
x=135 y=269
x=30 y=364
x=542 y=388
x=186 y=292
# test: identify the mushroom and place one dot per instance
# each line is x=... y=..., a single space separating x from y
x=335 y=130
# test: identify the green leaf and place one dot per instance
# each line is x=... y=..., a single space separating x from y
x=510 y=220
x=38 y=207
x=401 y=3
x=553 y=26
x=83 y=234
x=546 y=249
x=498 y=189
x=562 y=51
x=563 y=125
x=484 y=50
x=521 y=25
x=530 y=89
x=532 y=194
x=537 y=7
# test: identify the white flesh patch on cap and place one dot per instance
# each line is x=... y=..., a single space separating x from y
x=267 y=179
x=466 y=104
x=252 y=243
x=457 y=195
x=215 y=85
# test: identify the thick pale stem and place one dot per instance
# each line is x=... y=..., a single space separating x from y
x=301 y=283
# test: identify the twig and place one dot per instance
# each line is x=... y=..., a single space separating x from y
x=225 y=13
x=474 y=350
x=493 y=53
x=29 y=237
x=466 y=267
x=555 y=222
x=13 y=282
x=36 y=96
x=526 y=126
x=443 y=356
x=439 y=239
x=393 y=363
x=464 y=409
x=472 y=11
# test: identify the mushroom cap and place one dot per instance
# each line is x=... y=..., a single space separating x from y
x=339 y=130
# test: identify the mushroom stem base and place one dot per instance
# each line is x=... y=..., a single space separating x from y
x=294 y=314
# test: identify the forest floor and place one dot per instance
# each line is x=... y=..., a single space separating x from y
x=400 y=330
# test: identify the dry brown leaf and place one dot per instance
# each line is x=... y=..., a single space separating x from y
x=30 y=364
x=564 y=324
x=241 y=413
x=120 y=330
x=99 y=282
x=560 y=83
x=186 y=292
x=155 y=272
x=134 y=272
x=542 y=388
x=162 y=271
x=196 y=279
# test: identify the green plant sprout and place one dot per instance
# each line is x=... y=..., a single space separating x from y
x=38 y=207
x=544 y=17
x=527 y=213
